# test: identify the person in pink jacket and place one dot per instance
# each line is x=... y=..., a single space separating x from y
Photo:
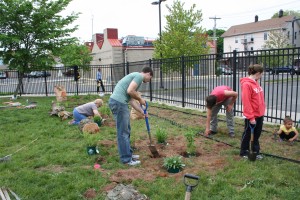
x=253 y=109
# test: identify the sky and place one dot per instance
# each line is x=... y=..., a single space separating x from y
x=141 y=18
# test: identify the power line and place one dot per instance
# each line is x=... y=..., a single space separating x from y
x=243 y=13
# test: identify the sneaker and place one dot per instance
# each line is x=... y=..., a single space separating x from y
x=245 y=157
x=135 y=157
x=101 y=94
x=259 y=157
x=134 y=162
x=231 y=134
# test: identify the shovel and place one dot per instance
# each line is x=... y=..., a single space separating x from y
x=252 y=155
x=190 y=181
x=151 y=147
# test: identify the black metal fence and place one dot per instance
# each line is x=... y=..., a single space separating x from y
x=184 y=81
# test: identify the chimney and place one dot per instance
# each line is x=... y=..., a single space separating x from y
x=256 y=18
x=280 y=14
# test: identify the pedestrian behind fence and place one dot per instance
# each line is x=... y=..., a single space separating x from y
x=99 y=81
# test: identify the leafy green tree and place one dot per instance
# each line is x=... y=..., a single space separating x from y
x=75 y=54
x=287 y=13
x=31 y=31
x=277 y=39
x=220 y=40
x=183 y=36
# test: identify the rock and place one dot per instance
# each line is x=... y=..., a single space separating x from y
x=122 y=192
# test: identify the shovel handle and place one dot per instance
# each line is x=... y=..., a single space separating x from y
x=252 y=127
x=189 y=185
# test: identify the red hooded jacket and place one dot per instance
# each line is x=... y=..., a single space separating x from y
x=252 y=98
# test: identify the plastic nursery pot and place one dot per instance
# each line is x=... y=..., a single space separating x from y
x=99 y=123
x=91 y=150
x=173 y=170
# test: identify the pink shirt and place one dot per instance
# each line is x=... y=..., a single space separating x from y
x=219 y=93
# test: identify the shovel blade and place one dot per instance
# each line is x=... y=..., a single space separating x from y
x=252 y=156
x=153 y=150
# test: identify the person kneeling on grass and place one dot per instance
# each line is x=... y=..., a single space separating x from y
x=287 y=131
x=86 y=110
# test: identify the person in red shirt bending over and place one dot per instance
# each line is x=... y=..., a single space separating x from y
x=253 y=109
x=220 y=96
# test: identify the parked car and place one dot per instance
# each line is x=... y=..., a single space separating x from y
x=225 y=70
x=295 y=70
x=277 y=70
x=2 y=75
x=37 y=74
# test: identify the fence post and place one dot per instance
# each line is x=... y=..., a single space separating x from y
x=112 y=79
x=183 y=81
x=234 y=76
x=150 y=65
x=46 y=87
x=127 y=68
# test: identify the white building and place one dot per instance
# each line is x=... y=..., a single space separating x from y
x=252 y=36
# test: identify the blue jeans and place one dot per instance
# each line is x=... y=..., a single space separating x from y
x=77 y=116
x=122 y=118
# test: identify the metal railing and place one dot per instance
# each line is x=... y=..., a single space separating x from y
x=185 y=81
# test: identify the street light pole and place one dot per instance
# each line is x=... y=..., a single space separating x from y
x=159 y=11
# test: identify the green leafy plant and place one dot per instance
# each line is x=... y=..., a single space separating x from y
x=161 y=135
x=191 y=147
x=105 y=110
x=173 y=162
x=98 y=120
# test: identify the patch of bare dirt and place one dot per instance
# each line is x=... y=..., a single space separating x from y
x=209 y=156
x=152 y=168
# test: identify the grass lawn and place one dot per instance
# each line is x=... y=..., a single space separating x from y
x=49 y=157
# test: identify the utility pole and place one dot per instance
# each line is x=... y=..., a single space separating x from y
x=215 y=28
x=92 y=26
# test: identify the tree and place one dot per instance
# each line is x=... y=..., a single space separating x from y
x=277 y=39
x=182 y=36
x=220 y=40
x=75 y=54
x=31 y=31
x=287 y=13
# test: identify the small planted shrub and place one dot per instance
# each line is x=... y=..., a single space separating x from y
x=105 y=110
x=191 y=147
x=161 y=135
x=173 y=164
x=98 y=120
